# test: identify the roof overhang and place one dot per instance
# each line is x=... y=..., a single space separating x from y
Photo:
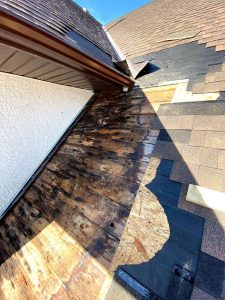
x=15 y=32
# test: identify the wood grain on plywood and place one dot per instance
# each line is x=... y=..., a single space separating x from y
x=60 y=238
x=161 y=93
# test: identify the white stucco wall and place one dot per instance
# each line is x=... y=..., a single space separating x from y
x=33 y=117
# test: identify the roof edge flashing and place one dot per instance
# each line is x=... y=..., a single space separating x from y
x=33 y=34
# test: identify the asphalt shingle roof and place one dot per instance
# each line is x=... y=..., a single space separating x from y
x=167 y=23
x=164 y=24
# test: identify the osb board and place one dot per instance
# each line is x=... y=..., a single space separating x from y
x=160 y=94
x=147 y=228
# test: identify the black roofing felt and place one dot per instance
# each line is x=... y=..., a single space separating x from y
x=188 y=61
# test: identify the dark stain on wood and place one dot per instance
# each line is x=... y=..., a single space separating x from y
x=87 y=188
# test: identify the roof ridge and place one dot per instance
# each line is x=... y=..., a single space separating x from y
x=117 y=20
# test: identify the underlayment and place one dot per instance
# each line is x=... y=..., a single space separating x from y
x=187 y=61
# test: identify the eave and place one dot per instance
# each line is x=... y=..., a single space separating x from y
x=26 y=36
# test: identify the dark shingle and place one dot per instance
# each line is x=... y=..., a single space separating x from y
x=211 y=276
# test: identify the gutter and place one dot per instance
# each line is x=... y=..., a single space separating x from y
x=27 y=36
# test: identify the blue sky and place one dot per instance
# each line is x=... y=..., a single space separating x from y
x=108 y=10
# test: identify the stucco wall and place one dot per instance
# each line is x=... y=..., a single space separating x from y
x=33 y=117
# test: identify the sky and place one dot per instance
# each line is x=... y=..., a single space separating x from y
x=107 y=10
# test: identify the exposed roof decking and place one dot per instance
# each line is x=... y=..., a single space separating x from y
x=86 y=192
x=71 y=207
x=62 y=234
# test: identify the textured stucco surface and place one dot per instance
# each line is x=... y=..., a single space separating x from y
x=33 y=117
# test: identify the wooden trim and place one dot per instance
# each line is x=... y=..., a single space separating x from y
x=26 y=30
x=206 y=197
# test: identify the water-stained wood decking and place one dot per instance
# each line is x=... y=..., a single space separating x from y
x=60 y=238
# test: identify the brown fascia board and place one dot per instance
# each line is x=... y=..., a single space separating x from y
x=31 y=36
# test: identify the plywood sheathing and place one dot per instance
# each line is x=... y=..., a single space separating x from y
x=175 y=92
x=60 y=238
x=161 y=93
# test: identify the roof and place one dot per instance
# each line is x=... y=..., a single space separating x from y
x=137 y=149
x=167 y=23
x=62 y=235
x=60 y=18
x=184 y=42
x=63 y=33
